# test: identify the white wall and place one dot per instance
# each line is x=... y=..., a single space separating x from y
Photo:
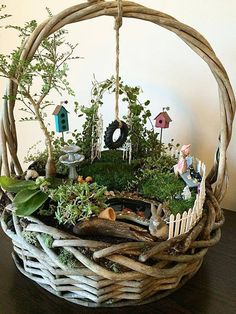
x=153 y=58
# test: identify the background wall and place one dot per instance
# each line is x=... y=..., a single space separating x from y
x=168 y=71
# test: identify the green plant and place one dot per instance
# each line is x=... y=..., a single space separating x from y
x=48 y=67
x=159 y=163
x=76 y=201
x=30 y=195
x=3 y=7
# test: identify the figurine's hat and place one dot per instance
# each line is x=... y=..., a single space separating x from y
x=186 y=146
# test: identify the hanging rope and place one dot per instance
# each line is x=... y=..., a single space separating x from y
x=117 y=124
x=118 y=24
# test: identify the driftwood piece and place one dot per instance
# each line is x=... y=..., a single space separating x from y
x=104 y=227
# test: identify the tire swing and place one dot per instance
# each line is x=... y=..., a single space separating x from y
x=117 y=124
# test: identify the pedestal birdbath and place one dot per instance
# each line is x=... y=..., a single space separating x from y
x=71 y=159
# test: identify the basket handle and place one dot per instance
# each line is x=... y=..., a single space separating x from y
x=96 y=8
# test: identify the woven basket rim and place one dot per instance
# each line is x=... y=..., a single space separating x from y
x=169 y=271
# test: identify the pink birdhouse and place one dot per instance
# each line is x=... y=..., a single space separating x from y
x=162 y=120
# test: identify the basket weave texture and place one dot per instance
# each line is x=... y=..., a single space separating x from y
x=152 y=269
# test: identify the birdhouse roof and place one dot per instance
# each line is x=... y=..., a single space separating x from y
x=58 y=109
x=165 y=115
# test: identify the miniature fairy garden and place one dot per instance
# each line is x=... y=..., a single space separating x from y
x=119 y=185
x=125 y=187
x=96 y=191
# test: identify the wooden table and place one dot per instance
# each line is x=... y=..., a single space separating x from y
x=211 y=291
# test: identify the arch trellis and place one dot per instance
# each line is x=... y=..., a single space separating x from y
x=192 y=247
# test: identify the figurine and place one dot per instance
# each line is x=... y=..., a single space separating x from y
x=31 y=174
x=157 y=227
x=186 y=194
x=182 y=165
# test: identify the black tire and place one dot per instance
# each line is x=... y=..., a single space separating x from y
x=108 y=137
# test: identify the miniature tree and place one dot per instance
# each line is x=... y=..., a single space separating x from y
x=48 y=68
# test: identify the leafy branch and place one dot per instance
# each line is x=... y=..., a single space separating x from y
x=48 y=68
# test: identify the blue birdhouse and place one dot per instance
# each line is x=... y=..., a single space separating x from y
x=61 y=118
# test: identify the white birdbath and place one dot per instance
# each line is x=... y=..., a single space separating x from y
x=71 y=159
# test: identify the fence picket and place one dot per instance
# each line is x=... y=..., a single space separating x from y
x=193 y=217
x=177 y=224
x=171 y=226
x=183 y=222
x=188 y=220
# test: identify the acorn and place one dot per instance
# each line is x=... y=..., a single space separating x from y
x=89 y=179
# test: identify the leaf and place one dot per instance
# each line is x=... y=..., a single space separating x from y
x=15 y=187
x=29 y=207
x=24 y=196
x=5 y=182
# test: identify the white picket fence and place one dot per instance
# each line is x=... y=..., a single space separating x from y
x=181 y=224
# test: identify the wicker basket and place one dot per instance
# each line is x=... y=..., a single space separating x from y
x=151 y=270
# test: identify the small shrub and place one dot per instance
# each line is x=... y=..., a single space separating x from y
x=77 y=201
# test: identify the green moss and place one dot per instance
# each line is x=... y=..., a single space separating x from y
x=179 y=206
x=48 y=240
x=111 y=156
x=162 y=186
x=30 y=237
x=67 y=259
x=111 y=170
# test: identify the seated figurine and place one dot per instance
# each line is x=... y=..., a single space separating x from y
x=182 y=165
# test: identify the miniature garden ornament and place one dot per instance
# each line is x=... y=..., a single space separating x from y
x=61 y=118
x=108 y=213
x=127 y=151
x=71 y=159
x=162 y=121
x=97 y=134
x=157 y=226
x=31 y=174
x=186 y=194
x=182 y=166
